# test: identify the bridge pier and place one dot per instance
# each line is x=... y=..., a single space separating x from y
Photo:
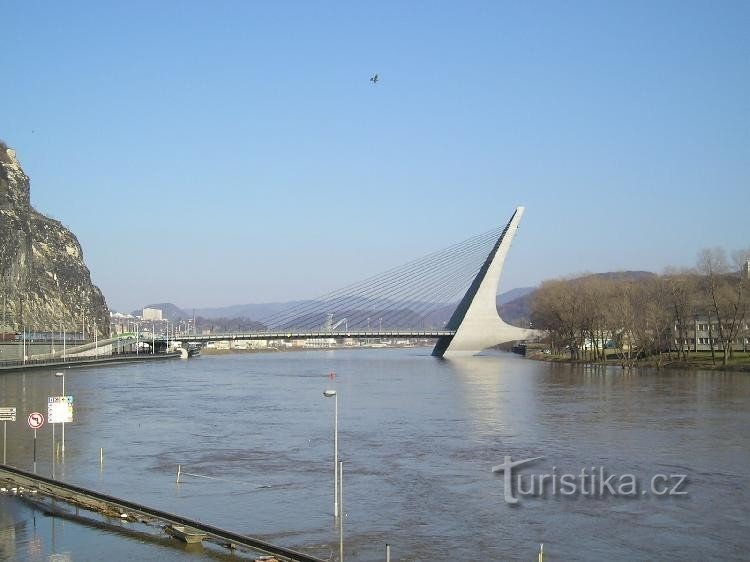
x=476 y=321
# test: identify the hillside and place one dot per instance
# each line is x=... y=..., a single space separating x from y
x=45 y=282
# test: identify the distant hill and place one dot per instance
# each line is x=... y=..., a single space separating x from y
x=254 y=311
x=514 y=294
x=632 y=275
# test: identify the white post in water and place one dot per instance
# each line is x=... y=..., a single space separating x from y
x=329 y=394
x=341 y=504
x=179 y=469
x=387 y=552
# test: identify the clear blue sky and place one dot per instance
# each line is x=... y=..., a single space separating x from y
x=211 y=153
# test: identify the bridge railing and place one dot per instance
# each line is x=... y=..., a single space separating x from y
x=429 y=334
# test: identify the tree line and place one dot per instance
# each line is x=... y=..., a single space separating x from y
x=648 y=315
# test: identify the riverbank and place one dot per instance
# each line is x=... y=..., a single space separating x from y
x=10 y=366
x=696 y=361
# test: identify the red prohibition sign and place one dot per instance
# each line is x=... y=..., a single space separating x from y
x=36 y=420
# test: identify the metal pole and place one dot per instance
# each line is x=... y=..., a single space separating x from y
x=387 y=552
x=34 y=451
x=336 y=457
x=63 y=423
x=341 y=521
x=5 y=434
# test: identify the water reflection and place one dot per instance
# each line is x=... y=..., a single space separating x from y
x=498 y=395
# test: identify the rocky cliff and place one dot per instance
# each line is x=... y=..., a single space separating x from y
x=44 y=283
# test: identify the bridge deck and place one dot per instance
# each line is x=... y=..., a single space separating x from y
x=293 y=335
x=369 y=334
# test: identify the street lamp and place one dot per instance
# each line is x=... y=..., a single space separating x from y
x=329 y=394
x=63 y=423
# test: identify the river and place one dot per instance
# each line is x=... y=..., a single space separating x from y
x=419 y=438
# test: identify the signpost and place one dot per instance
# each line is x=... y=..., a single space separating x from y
x=36 y=420
x=6 y=415
x=60 y=409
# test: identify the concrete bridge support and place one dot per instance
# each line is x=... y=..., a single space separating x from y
x=476 y=321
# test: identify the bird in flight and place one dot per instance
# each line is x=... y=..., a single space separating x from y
x=374 y=78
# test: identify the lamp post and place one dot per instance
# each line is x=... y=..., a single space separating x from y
x=329 y=394
x=63 y=423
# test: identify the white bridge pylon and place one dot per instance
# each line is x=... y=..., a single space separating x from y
x=476 y=321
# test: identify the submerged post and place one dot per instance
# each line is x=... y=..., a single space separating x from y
x=341 y=507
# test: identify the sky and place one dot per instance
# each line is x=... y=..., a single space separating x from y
x=228 y=152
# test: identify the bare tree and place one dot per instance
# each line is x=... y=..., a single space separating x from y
x=724 y=292
x=555 y=308
x=680 y=300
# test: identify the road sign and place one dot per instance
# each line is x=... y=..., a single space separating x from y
x=60 y=409
x=7 y=414
x=36 y=420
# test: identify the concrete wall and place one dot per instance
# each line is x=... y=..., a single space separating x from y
x=13 y=351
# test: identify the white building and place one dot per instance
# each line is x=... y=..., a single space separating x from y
x=152 y=314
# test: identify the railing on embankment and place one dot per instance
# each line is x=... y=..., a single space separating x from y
x=82 y=361
x=112 y=506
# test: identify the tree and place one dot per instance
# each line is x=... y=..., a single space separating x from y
x=680 y=299
x=725 y=293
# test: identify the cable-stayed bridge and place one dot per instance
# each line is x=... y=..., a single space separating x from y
x=449 y=295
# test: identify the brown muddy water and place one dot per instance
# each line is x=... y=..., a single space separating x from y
x=419 y=438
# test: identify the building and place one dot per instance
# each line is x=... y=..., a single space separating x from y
x=697 y=335
x=152 y=314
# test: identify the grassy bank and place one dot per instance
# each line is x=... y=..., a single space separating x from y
x=700 y=360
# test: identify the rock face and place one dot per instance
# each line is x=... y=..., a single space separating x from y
x=44 y=283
